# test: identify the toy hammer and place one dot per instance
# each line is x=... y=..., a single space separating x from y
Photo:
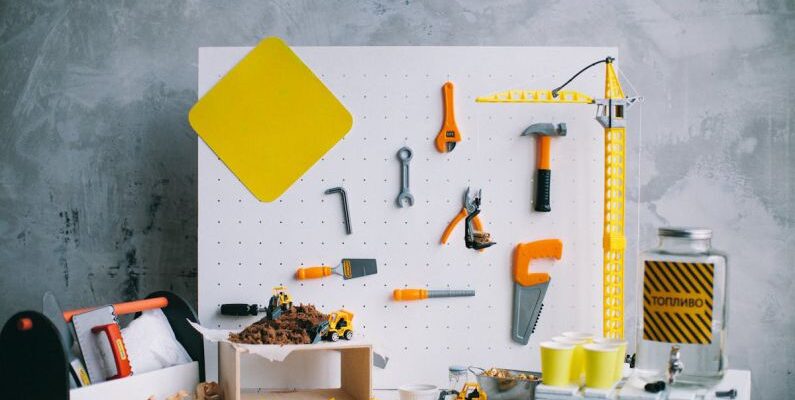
x=544 y=132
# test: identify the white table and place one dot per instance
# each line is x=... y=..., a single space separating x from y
x=739 y=380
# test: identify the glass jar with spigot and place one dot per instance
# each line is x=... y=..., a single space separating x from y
x=681 y=336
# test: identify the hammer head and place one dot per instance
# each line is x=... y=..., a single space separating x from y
x=546 y=129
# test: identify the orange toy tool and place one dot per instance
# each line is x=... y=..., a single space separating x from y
x=474 y=236
x=530 y=287
x=93 y=323
x=422 y=294
x=449 y=135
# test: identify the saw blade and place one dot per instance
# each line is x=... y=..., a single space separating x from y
x=88 y=341
x=527 y=304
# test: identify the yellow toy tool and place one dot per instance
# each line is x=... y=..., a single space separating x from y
x=610 y=114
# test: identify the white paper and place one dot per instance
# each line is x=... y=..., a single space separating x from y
x=271 y=352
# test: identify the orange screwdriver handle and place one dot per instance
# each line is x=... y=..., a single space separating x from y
x=409 y=294
x=113 y=333
x=312 y=273
x=449 y=131
x=526 y=252
x=124 y=308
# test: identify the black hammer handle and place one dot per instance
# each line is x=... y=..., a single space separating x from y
x=542 y=190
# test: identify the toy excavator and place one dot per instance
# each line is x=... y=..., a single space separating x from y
x=280 y=302
x=470 y=391
x=339 y=325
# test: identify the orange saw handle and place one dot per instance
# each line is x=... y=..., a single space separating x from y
x=312 y=273
x=526 y=252
x=113 y=334
x=409 y=294
x=124 y=308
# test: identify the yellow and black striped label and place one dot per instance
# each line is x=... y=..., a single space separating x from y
x=677 y=302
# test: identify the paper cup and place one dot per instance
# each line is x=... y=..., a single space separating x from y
x=600 y=365
x=418 y=392
x=556 y=361
x=588 y=337
x=621 y=353
x=578 y=359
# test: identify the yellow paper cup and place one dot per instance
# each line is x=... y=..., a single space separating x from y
x=556 y=363
x=600 y=365
x=621 y=353
x=578 y=360
x=588 y=337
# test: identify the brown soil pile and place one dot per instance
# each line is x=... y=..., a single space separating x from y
x=290 y=328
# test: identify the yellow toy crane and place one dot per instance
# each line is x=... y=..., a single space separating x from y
x=610 y=113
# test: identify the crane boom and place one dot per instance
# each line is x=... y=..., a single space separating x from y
x=610 y=114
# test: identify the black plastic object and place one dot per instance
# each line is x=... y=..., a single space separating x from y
x=33 y=364
x=179 y=312
x=317 y=332
x=727 y=394
x=469 y=231
x=655 y=387
x=239 y=309
x=543 y=180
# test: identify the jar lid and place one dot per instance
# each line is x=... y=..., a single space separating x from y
x=457 y=368
x=685 y=232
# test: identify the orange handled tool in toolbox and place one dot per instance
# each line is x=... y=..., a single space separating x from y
x=90 y=323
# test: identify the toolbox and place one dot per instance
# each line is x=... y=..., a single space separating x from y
x=34 y=361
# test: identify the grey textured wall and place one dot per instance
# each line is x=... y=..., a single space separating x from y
x=98 y=178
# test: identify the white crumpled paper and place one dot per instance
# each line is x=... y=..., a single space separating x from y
x=278 y=352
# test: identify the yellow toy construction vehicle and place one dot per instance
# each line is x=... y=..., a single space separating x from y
x=340 y=325
x=470 y=391
x=279 y=302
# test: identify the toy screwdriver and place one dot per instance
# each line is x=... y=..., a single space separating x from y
x=349 y=268
x=422 y=294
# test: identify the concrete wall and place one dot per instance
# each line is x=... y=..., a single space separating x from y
x=98 y=177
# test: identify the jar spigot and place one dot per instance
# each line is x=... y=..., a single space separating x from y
x=675 y=364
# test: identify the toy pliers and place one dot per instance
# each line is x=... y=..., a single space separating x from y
x=473 y=232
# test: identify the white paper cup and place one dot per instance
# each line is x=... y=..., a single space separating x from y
x=419 y=391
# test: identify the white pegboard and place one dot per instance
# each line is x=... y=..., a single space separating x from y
x=394 y=94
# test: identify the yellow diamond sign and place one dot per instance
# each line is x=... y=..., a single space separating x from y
x=270 y=119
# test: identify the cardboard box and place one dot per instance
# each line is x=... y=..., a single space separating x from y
x=356 y=362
